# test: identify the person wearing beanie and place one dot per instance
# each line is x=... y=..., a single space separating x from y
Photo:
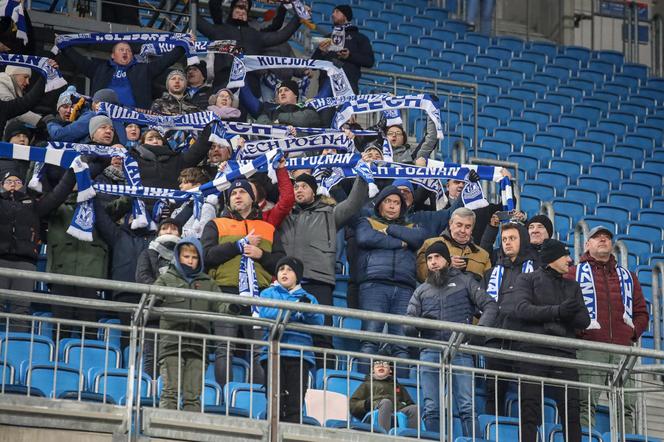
x=448 y=294
x=101 y=131
x=292 y=386
x=183 y=358
x=347 y=46
x=176 y=100
x=236 y=26
x=544 y=302
x=378 y=392
x=131 y=81
x=225 y=105
x=14 y=82
x=106 y=96
x=612 y=324
x=190 y=178
x=308 y=233
x=540 y=228
x=286 y=111
x=239 y=231
x=386 y=247
x=197 y=89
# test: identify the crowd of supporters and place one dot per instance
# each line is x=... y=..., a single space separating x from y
x=405 y=255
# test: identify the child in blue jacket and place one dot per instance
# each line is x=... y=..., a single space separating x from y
x=293 y=374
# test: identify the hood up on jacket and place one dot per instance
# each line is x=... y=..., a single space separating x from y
x=387 y=191
x=525 y=251
x=187 y=272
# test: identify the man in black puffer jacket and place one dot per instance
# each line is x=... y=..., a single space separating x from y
x=356 y=52
x=544 y=302
x=20 y=215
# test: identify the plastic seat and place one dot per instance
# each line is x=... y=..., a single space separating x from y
x=554 y=433
x=619 y=161
x=594 y=221
x=458 y=26
x=651 y=217
x=648 y=232
x=528 y=163
x=647 y=177
x=527 y=67
x=638 y=189
x=513 y=75
x=357 y=426
x=501 y=148
x=628 y=120
x=633 y=153
x=20 y=348
x=632 y=438
x=558 y=181
x=642 y=141
x=579 y=52
x=618 y=214
x=614 y=127
x=555 y=142
x=650 y=131
x=513 y=136
x=554 y=110
x=249 y=397
x=541 y=119
x=432 y=43
x=654 y=166
x=601 y=136
x=502 y=113
x=499 y=52
x=639 y=249
x=339 y=381
x=573 y=209
x=89 y=353
x=550 y=407
x=626 y=201
x=550 y=49
x=597 y=183
x=446 y=35
x=567 y=167
x=582 y=157
x=491 y=62
x=611 y=173
x=467 y=47
x=504 y=428
x=587 y=197
x=54 y=380
x=598 y=103
x=577 y=122
x=113 y=383
x=440 y=14
x=597 y=78
x=530 y=205
x=567 y=133
x=412 y=433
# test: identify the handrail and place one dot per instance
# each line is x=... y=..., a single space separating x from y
x=581 y=231
x=547 y=209
x=532 y=338
x=620 y=252
x=657 y=301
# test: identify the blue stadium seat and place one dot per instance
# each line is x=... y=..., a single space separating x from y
x=558 y=181
x=611 y=173
x=436 y=45
x=567 y=167
x=512 y=75
x=537 y=57
x=541 y=119
x=654 y=179
x=584 y=158
x=408 y=61
x=113 y=383
x=601 y=136
x=594 y=221
x=539 y=189
x=651 y=217
x=478 y=70
x=550 y=407
x=528 y=128
x=91 y=353
x=458 y=26
x=400 y=39
x=597 y=183
x=554 y=110
x=446 y=35
x=503 y=428
x=657 y=94
x=634 y=153
x=339 y=381
x=439 y=14
x=650 y=131
x=555 y=142
x=514 y=44
x=615 y=127
x=467 y=47
x=636 y=109
x=648 y=232
x=567 y=133
x=628 y=119
x=586 y=196
x=249 y=397
x=632 y=438
x=605 y=67
x=609 y=211
x=490 y=62
x=405 y=9
x=568 y=62
x=524 y=94
x=412 y=433
x=616 y=88
x=573 y=209
x=425 y=71
x=499 y=52
x=597 y=78
x=599 y=103
x=461 y=75
x=385 y=48
x=481 y=40
x=638 y=248
x=619 y=161
x=614 y=57
x=526 y=67
x=528 y=163
x=357 y=426
x=627 y=80
x=42 y=375
x=19 y=349
x=444 y=66
x=554 y=433
x=422 y=53
x=540 y=88
x=657 y=204
x=550 y=49
x=626 y=201
x=579 y=52
x=529 y=204
x=654 y=166
x=638 y=71
x=577 y=122
x=513 y=136
x=501 y=148
x=390 y=66
x=636 y=188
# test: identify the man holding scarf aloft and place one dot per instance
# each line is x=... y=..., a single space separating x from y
x=229 y=243
x=131 y=80
x=617 y=310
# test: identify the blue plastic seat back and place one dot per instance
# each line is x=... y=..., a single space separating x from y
x=557 y=180
x=651 y=217
x=639 y=249
x=113 y=383
x=504 y=428
x=52 y=380
x=572 y=209
x=597 y=183
x=555 y=142
x=531 y=205
x=567 y=133
x=594 y=221
x=539 y=189
x=540 y=118
x=625 y=163
x=513 y=136
x=611 y=173
x=588 y=197
x=626 y=201
x=93 y=354
x=582 y=157
x=553 y=110
x=653 y=179
x=528 y=163
x=647 y=232
x=638 y=189
x=618 y=214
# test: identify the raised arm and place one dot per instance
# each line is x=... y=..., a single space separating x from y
x=344 y=211
x=281 y=36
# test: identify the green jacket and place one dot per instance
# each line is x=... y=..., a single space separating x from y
x=168 y=345
x=70 y=256
x=383 y=389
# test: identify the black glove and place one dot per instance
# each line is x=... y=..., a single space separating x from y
x=367 y=405
x=567 y=309
x=305 y=299
x=234 y=309
x=473 y=176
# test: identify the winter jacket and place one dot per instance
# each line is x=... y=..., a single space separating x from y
x=456 y=301
x=140 y=75
x=222 y=256
x=284 y=205
x=534 y=308
x=251 y=40
x=70 y=131
x=362 y=401
x=12 y=107
x=168 y=344
x=288 y=114
x=309 y=233
x=160 y=166
x=610 y=306
x=360 y=55
x=292 y=337
x=169 y=104
x=200 y=96
x=194 y=227
x=478 y=258
x=155 y=260
x=20 y=215
x=433 y=222
x=386 y=249
x=10 y=91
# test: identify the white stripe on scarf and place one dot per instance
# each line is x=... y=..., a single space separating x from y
x=337 y=140
x=496 y=278
x=14 y=10
x=54 y=79
x=584 y=276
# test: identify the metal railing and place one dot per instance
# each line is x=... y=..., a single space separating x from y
x=138 y=331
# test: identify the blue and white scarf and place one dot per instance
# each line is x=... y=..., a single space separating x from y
x=54 y=79
x=362 y=106
x=337 y=140
x=323 y=103
x=200 y=47
x=95 y=38
x=248 y=63
x=247 y=280
x=163 y=123
x=496 y=278
x=14 y=10
x=584 y=276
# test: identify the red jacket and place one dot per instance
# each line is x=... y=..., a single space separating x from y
x=286 y=200
x=610 y=306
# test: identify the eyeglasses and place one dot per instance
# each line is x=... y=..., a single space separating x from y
x=394 y=133
x=13 y=181
x=381 y=364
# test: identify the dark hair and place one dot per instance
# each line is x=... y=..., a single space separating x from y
x=192 y=175
x=144 y=135
x=260 y=189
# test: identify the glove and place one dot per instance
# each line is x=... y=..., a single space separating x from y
x=473 y=176
x=567 y=309
x=305 y=299
x=367 y=405
x=234 y=309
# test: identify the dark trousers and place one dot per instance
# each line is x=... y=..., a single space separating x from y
x=223 y=364
x=323 y=293
x=79 y=314
x=17 y=306
x=292 y=387
x=496 y=390
x=531 y=401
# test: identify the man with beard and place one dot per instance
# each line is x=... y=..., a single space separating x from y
x=175 y=101
x=448 y=295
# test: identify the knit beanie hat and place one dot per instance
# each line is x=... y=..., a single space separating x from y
x=294 y=264
x=373 y=146
x=96 y=122
x=242 y=184
x=404 y=183
x=544 y=220
x=440 y=248
x=9 y=173
x=290 y=84
x=202 y=67
x=106 y=95
x=18 y=70
x=16 y=127
x=170 y=221
x=175 y=72
x=551 y=250
x=346 y=10
x=66 y=97
x=309 y=180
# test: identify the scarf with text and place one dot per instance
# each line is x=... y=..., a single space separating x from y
x=338 y=37
x=53 y=77
x=248 y=63
x=326 y=102
x=185 y=41
x=496 y=278
x=378 y=104
x=337 y=140
x=228 y=47
x=584 y=276
x=163 y=123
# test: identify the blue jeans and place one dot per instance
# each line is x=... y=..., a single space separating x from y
x=383 y=298
x=486 y=14
x=462 y=391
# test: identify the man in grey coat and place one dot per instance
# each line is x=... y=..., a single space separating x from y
x=309 y=233
x=448 y=295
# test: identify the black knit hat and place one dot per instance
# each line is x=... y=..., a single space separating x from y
x=309 y=180
x=171 y=221
x=346 y=10
x=243 y=184
x=202 y=67
x=544 y=220
x=8 y=173
x=290 y=84
x=294 y=264
x=551 y=250
x=440 y=248
x=16 y=127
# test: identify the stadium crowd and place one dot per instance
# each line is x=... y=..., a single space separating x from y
x=406 y=255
